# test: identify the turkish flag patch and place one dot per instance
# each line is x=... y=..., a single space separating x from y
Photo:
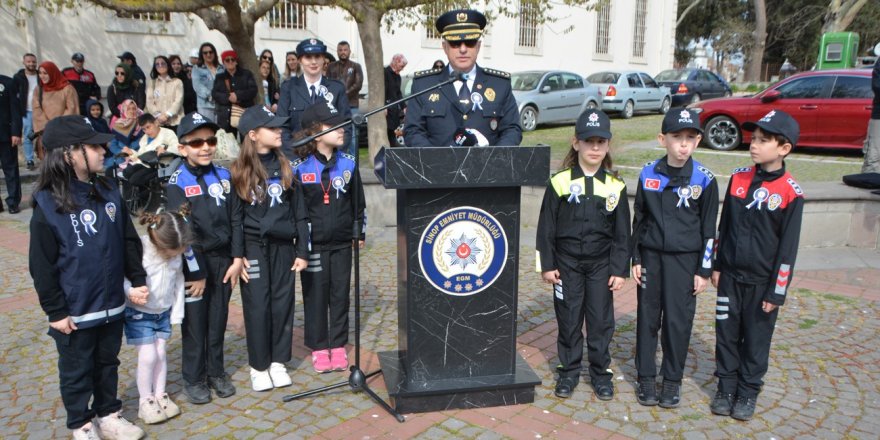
x=192 y=190
x=309 y=178
x=782 y=278
x=652 y=184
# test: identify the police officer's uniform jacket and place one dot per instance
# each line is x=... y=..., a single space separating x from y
x=676 y=213
x=759 y=230
x=433 y=119
x=295 y=97
x=332 y=181
x=584 y=217
x=78 y=260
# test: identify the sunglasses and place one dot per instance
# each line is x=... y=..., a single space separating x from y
x=161 y=64
x=469 y=43
x=199 y=143
x=207 y=52
x=229 y=60
x=266 y=57
x=120 y=73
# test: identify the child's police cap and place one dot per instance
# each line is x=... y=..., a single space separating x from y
x=680 y=118
x=310 y=46
x=72 y=130
x=322 y=112
x=593 y=123
x=259 y=116
x=461 y=25
x=777 y=122
x=193 y=121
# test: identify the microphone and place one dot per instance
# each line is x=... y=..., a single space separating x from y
x=458 y=76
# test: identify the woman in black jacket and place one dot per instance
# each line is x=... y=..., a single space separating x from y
x=123 y=87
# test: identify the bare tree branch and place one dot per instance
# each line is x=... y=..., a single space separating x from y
x=686 y=11
x=157 y=5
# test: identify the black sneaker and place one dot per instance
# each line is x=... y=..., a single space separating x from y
x=744 y=408
x=604 y=390
x=197 y=393
x=221 y=385
x=722 y=403
x=670 y=396
x=647 y=394
x=30 y=165
x=565 y=386
x=14 y=209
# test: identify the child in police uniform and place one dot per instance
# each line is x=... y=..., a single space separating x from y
x=673 y=235
x=583 y=250
x=757 y=245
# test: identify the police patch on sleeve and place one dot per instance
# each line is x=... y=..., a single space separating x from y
x=706 y=171
x=462 y=251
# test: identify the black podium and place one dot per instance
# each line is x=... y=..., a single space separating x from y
x=457 y=266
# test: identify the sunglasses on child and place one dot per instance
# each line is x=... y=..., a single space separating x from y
x=469 y=43
x=199 y=143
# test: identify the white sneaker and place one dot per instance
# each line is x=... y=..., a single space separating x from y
x=279 y=375
x=260 y=380
x=86 y=432
x=150 y=411
x=115 y=427
x=168 y=406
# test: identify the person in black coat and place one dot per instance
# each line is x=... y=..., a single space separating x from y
x=393 y=93
x=123 y=87
x=189 y=93
x=232 y=86
x=10 y=139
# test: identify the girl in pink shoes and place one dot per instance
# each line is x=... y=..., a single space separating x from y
x=148 y=318
x=329 y=178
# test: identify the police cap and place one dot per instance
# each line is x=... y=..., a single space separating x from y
x=310 y=46
x=461 y=25
x=777 y=122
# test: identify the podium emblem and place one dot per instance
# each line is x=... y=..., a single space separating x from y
x=462 y=251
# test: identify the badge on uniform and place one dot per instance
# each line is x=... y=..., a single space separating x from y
x=275 y=192
x=215 y=190
x=192 y=190
x=575 y=190
x=226 y=187
x=434 y=97
x=322 y=90
x=696 y=191
x=329 y=97
x=490 y=94
x=774 y=201
x=110 y=209
x=88 y=218
x=493 y=124
x=684 y=193
x=477 y=99
x=611 y=202
x=346 y=175
x=339 y=185
x=760 y=196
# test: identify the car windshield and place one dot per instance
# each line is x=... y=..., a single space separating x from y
x=672 y=75
x=525 y=80
x=603 y=78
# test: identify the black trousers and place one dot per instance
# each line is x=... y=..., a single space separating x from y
x=267 y=302
x=9 y=162
x=204 y=324
x=584 y=294
x=666 y=303
x=326 y=286
x=743 y=332
x=88 y=368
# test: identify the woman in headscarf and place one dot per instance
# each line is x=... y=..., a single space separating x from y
x=123 y=87
x=54 y=97
x=164 y=94
x=128 y=134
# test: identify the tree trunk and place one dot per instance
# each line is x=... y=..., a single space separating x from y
x=756 y=55
x=369 y=28
x=240 y=33
x=840 y=14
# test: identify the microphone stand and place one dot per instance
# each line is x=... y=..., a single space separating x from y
x=357 y=380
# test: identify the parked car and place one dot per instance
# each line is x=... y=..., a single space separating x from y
x=692 y=85
x=551 y=96
x=629 y=91
x=832 y=107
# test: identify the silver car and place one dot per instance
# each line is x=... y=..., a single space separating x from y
x=552 y=96
x=629 y=91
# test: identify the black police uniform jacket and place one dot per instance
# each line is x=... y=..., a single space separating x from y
x=296 y=97
x=433 y=119
x=207 y=190
x=281 y=216
x=760 y=229
x=78 y=259
x=676 y=213
x=584 y=218
x=10 y=110
x=336 y=178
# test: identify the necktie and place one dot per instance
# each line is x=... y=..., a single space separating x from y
x=314 y=94
x=464 y=94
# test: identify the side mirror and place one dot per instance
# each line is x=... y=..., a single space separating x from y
x=771 y=96
x=545 y=89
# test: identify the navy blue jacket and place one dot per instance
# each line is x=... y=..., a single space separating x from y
x=10 y=110
x=296 y=97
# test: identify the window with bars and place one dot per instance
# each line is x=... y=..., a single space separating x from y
x=432 y=11
x=603 y=27
x=145 y=16
x=639 y=27
x=287 y=15
x=529 y=23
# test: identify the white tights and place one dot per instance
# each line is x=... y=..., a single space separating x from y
x=152 y=369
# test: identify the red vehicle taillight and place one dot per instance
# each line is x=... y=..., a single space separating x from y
x=611 y=91
x=682 y=89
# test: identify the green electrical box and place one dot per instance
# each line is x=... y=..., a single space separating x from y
x=838 y=50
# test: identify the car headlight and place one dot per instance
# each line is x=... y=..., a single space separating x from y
x=693 y=108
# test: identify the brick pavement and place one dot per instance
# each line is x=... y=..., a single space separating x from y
x=823 y=379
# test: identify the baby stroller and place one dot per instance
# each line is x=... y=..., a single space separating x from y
x=143 y=183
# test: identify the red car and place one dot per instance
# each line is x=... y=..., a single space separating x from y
x=832 y=107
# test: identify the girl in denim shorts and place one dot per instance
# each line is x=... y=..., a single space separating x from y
x=148 y=318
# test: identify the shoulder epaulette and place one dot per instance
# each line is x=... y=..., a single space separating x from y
x=347 y=156
x=173 y=178
x=610 y=174
x=498 y=73
x=297 y=162
x=794 y=185
x=220 y=167
x=429 y=72
x=742 y=170
x=706 y=171
x=647 y=164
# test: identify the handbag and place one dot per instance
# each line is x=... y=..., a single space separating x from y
x=235 y=110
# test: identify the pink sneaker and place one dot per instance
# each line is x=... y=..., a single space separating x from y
x=338 y=359
x=321 y=361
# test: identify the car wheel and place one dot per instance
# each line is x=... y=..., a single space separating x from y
x=528 y=119
x=722 y=133
x=696 y=98
x=592 y=105
x=664 y=106
x=628 y=110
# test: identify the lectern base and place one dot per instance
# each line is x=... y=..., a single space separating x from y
x=456 y=393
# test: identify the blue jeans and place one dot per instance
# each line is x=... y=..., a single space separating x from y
x=144 y=328
x=27 y=125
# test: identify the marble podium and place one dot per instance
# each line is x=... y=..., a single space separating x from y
x=457 y=266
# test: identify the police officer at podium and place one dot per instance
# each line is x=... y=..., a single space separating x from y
x=478 y=109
